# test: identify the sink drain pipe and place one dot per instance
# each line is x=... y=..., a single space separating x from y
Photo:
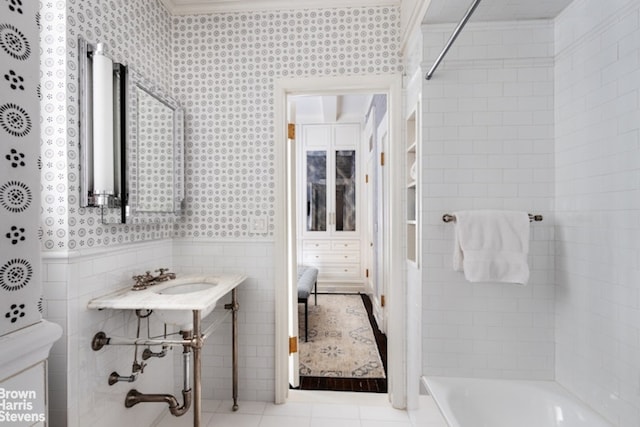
x=192 y=341
x=134 y=396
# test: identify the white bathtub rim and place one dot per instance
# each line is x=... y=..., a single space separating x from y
x=446 y=412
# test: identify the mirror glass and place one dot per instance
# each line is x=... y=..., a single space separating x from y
x=345 y=190
x=316 y=190
x=155 y=153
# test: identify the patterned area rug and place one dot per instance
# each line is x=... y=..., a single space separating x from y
x=341 y=342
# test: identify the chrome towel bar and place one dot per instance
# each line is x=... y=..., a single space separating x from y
x=452 y=218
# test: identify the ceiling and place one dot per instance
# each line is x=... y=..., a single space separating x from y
x=449 y=11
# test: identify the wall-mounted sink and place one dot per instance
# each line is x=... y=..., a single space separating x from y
x=185 y=288
x=175 y=300
x=183 y=318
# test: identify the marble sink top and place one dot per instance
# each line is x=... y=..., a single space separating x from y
x=188 y=292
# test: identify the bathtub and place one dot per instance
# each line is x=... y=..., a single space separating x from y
x=471 y=402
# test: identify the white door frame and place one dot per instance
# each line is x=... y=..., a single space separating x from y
x=284 y=272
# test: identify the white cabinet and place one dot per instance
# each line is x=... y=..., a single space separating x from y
x=329 y=221
x=23 y=398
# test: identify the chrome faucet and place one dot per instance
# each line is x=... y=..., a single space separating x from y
x=143 y=281
x=164 y=276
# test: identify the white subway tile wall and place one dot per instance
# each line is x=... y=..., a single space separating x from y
x=488 y=144
x=256 y=316
x=597 y=205
x=78 y=390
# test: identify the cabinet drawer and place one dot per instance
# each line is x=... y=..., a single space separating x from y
x=347 y=271
x=331 y=257
x=345 y=245
x=320 y=245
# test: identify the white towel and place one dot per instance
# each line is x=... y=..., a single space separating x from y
x=492 y=246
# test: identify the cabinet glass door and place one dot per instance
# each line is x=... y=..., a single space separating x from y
x=316 y=191
x=344 y=217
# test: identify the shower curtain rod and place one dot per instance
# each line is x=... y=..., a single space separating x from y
x=453 y=37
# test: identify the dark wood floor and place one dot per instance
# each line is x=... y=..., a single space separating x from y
x=369 y=385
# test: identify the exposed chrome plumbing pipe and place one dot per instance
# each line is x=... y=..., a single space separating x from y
x=101 y=339
x=148 y=353
x=192 y=341
x=134 y=396
x=115 y=378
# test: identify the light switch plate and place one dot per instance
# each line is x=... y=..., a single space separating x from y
x=258 y=224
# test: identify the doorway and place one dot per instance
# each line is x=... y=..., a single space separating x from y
x=339 y=207
x=286 y=240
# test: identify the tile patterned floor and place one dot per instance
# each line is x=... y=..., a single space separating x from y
x=314 y=409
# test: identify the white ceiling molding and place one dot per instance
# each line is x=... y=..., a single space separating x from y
x=195 y=7
x=412 y=13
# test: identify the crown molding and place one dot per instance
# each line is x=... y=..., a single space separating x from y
x=195 y=7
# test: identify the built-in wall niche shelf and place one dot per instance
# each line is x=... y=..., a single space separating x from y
x=412 y=132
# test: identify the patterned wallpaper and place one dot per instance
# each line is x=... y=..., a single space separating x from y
x=20 y=288
x=224 y=68
x=136 y=33
x=221 y=68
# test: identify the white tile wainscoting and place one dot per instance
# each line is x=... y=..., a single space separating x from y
x=78 y=389
x=488 y=144
x=597 y=156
